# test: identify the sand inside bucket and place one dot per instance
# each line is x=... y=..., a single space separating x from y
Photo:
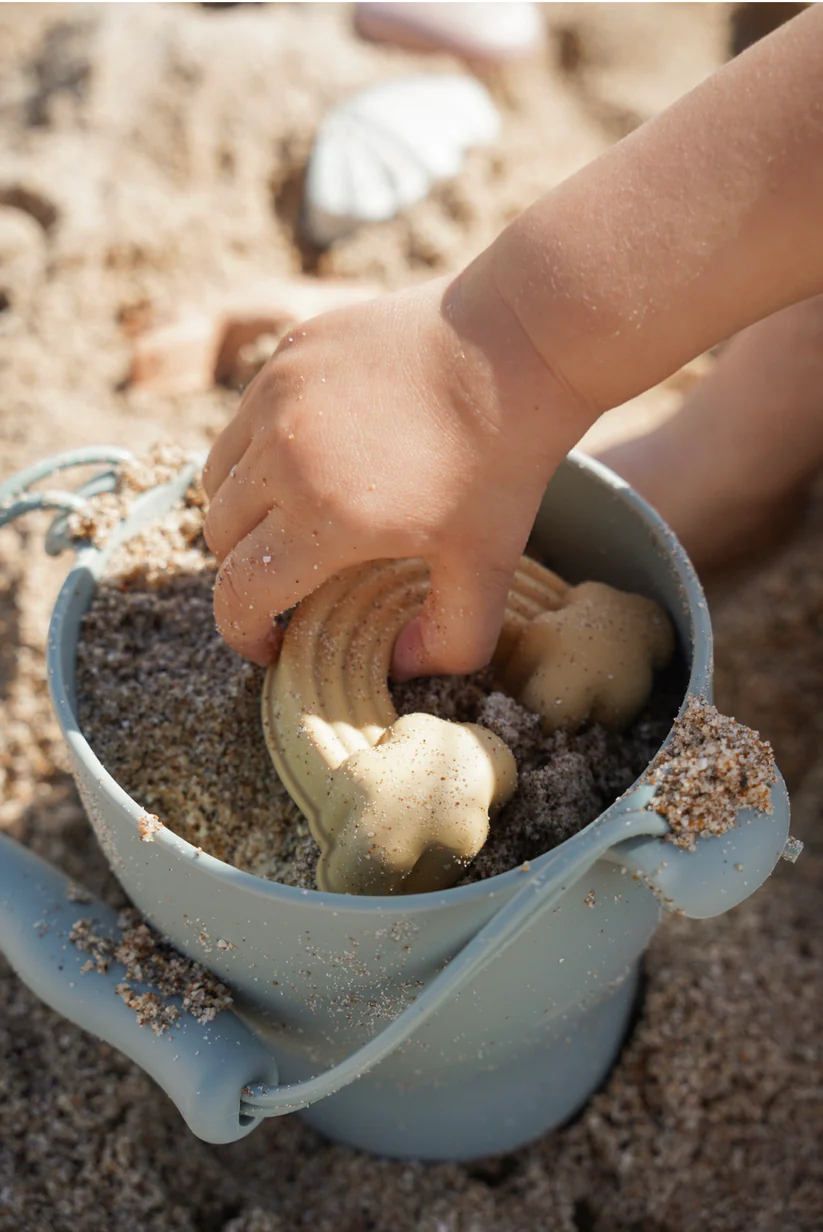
x=174 y=714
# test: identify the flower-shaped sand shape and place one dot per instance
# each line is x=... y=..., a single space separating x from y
x=403 y=804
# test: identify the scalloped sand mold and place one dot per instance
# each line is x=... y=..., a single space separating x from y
x=402 y=805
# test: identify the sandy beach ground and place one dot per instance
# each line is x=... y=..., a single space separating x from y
x=151 y=157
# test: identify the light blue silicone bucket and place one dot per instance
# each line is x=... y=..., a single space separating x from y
x=439 y=1026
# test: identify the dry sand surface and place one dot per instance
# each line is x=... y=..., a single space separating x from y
x=150 y=155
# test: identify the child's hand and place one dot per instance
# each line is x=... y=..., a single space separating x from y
x=409 y=426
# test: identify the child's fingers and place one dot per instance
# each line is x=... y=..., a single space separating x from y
x=457 y=630
x=267 y=572
x=241 y=503
x=227 y=451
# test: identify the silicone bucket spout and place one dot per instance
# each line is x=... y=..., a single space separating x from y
x=721 y=871
x=201 y=1067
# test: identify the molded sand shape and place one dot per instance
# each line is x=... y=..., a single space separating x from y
x=401 y=805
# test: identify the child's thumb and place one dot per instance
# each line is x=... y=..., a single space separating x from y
x=458 y=627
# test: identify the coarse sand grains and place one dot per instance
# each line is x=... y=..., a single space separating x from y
x=174 y=714
x=161 y=463
x=711 y=767
x=150 y=961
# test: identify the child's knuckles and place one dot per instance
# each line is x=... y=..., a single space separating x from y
x=277 y=383
x=314 y=492
x=343 y=512
x=231 y=597
x=209 y=479
x=212 y=531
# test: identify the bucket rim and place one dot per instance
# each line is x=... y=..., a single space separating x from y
x=457 y=897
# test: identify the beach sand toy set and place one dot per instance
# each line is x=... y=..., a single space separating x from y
x=447 y=1024
x=403 y=804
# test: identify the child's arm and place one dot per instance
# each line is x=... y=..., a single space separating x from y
x=428 y=423
x=704 y=220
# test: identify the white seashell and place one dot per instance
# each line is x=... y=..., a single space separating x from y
x=492 y=31
x=380 y=151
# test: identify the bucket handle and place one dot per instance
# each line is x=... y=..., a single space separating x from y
x=700 y=883
x=16 y=499
x=222 y=1078
x=539 y=892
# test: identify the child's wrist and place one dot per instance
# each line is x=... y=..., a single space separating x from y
x=528 y=393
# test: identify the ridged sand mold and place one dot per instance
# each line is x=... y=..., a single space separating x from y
x=401 y=805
